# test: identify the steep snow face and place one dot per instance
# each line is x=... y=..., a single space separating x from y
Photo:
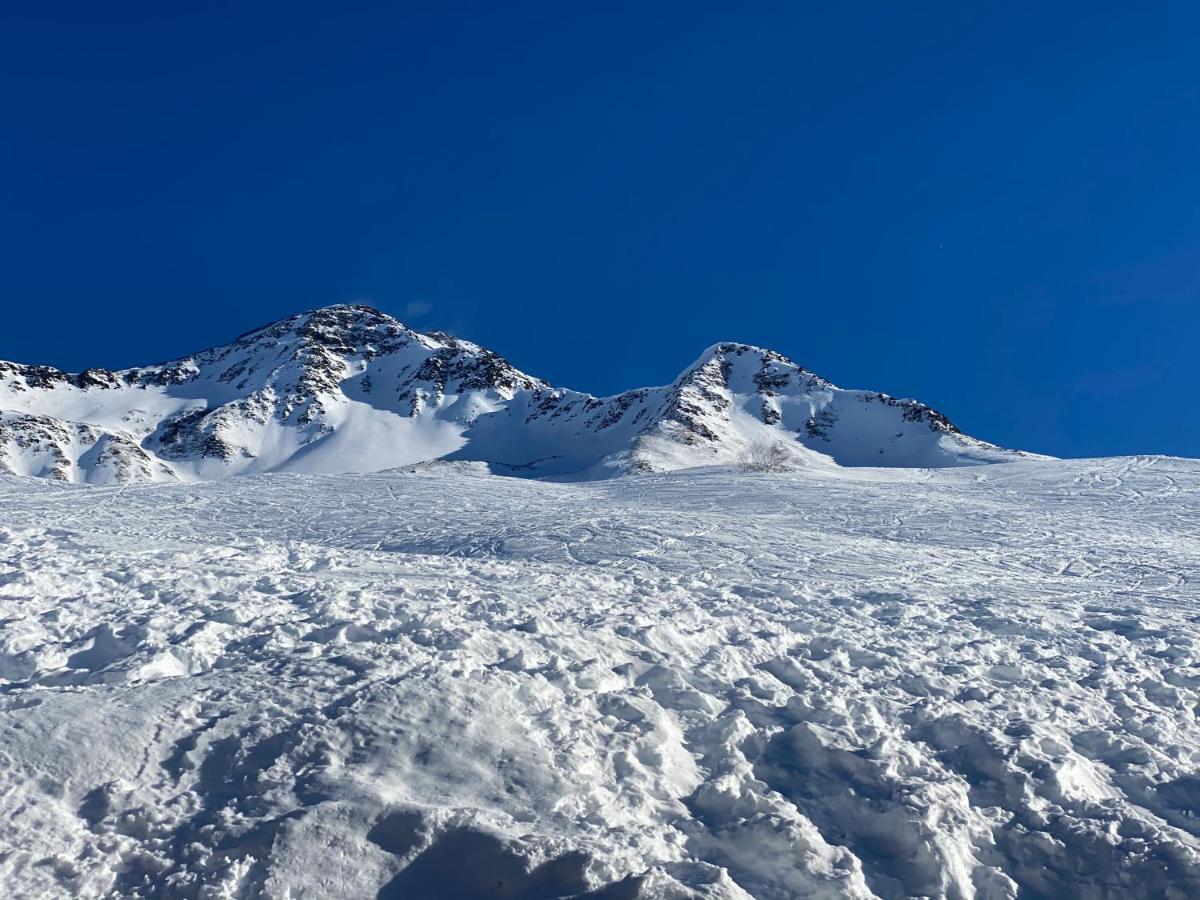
x=841 y=682
x=349 y=389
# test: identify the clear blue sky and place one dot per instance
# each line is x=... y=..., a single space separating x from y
x=994 y=208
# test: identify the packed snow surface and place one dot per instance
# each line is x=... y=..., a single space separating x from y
x=435 y=683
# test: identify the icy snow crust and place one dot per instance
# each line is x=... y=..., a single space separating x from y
x=958 y=683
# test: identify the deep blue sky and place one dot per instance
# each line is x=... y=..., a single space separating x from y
x=991 y=208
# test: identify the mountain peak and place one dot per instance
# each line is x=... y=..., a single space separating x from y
x=328 y=324
x=737 y=348
x=364 y=308
x=351 y=314
x=730 y=361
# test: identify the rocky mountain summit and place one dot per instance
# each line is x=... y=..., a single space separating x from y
x=347 y=388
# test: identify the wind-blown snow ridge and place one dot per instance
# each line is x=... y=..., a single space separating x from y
x=347 y=388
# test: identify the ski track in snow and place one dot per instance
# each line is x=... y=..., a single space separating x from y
x=960 y=683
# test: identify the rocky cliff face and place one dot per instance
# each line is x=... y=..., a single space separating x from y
x=347 y=388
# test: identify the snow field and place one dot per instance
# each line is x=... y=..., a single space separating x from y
x=846 y=683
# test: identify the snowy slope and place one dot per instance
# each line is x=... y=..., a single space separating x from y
x=349 y=389
x=841 y=682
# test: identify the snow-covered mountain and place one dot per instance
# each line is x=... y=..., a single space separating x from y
x=838 y=682
x=349 y=389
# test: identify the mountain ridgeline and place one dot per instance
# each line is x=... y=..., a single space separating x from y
x=349 y=389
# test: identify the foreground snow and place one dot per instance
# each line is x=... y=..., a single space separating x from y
x=971 y=682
